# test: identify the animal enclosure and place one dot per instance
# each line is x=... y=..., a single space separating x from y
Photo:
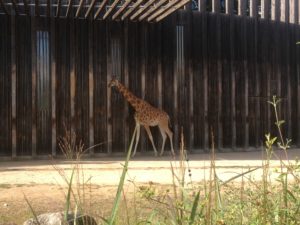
x=208 y=71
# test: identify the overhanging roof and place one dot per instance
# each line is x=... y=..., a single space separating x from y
x=136 y=10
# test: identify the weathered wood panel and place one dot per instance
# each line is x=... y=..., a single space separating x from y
x=5 y=86
x=207 y=71
x=24 y=83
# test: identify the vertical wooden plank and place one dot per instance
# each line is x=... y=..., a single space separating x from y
x=293 y=8
x=109 y=71
x=13 y=87
x=246 y=83
x=275 y=10
x=284 y=11
x=216 y=6
x=53 y=86
x=34 y=85
x=127 y=134
x=253 y=8
x=233 y=87
x=205 y=84
x=298 y=86
x=265 y=9
x=229 y=7
x=91 y=88
x=72 y=76
x=202 y=5
x=242 y=5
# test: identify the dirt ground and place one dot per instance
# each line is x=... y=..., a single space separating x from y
x=42 y=181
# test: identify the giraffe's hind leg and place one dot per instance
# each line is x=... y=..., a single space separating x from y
x=164 y=129
x=164 y=136
x=151 y=138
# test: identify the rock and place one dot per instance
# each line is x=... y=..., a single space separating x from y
x=5 y=205
x=58 y=219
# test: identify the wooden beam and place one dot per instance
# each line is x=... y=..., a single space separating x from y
x=26 y=8
x=160 y=3
x=58 y=8
x=129 y=11
x=79 y=8
x=121 y=9
x=142 y=9
x=253 y=8
x=162 y=10
x=112 y=7
x=275 y=10
x=14 y=4
x=37 y=9
x=229 y=7
x=171 y=10
x=242 y=7
x=3 y=7
x=100 y=8
x=216 y=6
x=90 y=9
x=69 y=8
x=202 y=5
x=284 y=11
x=265 y=9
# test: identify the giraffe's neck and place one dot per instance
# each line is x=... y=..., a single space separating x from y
x=129 y=96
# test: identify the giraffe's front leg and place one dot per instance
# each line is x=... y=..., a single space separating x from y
x=151 y=139
x=137 y=137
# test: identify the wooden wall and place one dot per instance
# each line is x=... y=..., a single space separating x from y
x=221 y=78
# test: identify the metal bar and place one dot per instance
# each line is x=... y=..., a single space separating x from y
x=99 y=9
x=69 y=8
x=3 y=7
x=111 y=9
x=79 y=8
x=142 y=9
x=90 y=8
x=26 y=7
x=58 y=8
x=152 y=9
x=165 y=9
x=137 y=4
x=15 y=7
x=121 y=9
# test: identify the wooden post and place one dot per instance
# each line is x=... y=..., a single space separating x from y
x=109 y=71
x=253 y=8
x=202 y=5
x=72 y=75
x=13 y=86
x=159 y=67
x=53 y=84
x=284 y=11
x=229 y=7
x=232 y=81
x=34 y=85
x=293 y=11
x=91 y=88
x=265 y=11
x=275 y=10
x=216 y=6
x=126 y=79
x=246 y=88
x=242 y=7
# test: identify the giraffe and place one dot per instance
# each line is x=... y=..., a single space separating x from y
x=147 y=116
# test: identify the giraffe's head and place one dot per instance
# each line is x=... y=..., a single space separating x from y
x=113 y=82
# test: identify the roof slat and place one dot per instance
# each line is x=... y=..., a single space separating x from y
x=111 y=9
x=162 y=10
x=79 y=8
x=152 y=9
x=142 y=9
x=135 y=5
x=171 y=10
x=69 y=8
x=100 y=8
x=90 y=8
x=121 y=9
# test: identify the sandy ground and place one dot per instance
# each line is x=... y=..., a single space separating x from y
x=43 y=181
